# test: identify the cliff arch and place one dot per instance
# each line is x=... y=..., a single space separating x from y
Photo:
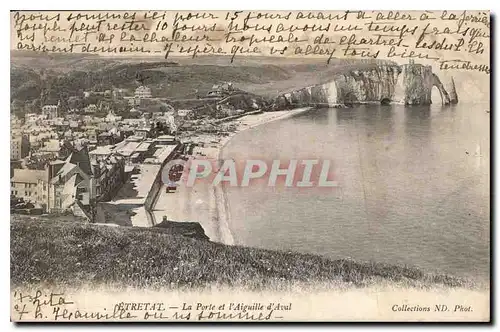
x=436 y=82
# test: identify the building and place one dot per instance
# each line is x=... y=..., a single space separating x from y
x=112 y=117
x=72 y=185
x=15 y=122
x=50 y=111
x=75 y=184
x=221 y=90
x=19 y=146
x=183 y=113
x=32 y=118
x=92 y=135
x=142 y=132
x=165 y=140
x=141 y=102
x=163 y=153
x=110 y=176
x=118 y=94
x=142 y=92
x=100 y=153
x=92 y=108
x=108 y=138
x=132 y=101
x=39 y=135
x=31 y=185
x=51 y=147
x=80 y=143
x=75 y=124
x=127 y=148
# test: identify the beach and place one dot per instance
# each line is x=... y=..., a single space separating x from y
x=203 y=202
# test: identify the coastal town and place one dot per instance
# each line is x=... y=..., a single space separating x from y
x=103 y=162
x=98 y=153
x=250 y=165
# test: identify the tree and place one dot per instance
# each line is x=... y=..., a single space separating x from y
x=159 y=127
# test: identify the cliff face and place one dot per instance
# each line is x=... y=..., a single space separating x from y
x=409 y=84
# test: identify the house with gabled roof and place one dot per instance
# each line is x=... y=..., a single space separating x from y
x=75 y=184
x=72 y=183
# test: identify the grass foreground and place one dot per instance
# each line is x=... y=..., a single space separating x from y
x=74 y=254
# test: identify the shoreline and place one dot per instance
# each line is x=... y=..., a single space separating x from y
x=222 y=203
x=217 y=221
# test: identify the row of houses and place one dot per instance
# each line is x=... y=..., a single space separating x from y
x=42 y=136
x=74 y=184
x=86 y=177
x=138 y=149
x=139 y=97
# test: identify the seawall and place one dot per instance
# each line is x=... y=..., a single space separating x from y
x=154 y=191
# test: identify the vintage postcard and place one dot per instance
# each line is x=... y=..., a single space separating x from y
x=250 y=166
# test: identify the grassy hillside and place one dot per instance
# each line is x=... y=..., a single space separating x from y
x=74 y=253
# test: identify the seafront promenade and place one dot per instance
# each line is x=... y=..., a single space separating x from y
x=128 y=207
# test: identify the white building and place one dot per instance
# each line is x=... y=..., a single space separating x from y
x=112 y=117
x=183 y=112
x=92 y=108
x=142 y=92
x=50 y=111
x=31 y=118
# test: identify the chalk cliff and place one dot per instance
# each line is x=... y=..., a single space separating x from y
x=409 y=84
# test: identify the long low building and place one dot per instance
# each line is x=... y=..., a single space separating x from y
x=164 y=152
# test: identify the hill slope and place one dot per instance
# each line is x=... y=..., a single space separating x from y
x=74 y=254
x=54 y=77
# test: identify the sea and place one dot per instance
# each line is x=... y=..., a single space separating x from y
x=413 y=186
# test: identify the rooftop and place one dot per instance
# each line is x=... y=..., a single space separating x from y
x=81 y=158
x=165 y=137
x=164 y=152
x=102 y=150
x=128 y=148
x=52 y=145
x=28 y=175
x=143 y=147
